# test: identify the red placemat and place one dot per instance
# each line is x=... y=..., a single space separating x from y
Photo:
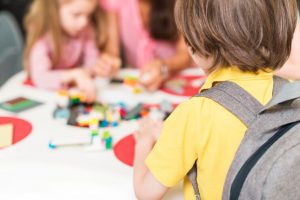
x=21 y=127
x=182 y=85
x=124 y=150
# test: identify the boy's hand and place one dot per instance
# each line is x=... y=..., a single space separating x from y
x=151 y=75
x=83 y=81
x=107 y=66
x=149 y=128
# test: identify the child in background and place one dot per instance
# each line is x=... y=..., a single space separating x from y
x=239 y=41
x=62 y=48
x=150 y=38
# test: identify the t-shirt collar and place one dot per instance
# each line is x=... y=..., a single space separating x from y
x=232 y=74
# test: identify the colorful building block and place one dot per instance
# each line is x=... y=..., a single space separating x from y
x=6 y=135
x=109 y=143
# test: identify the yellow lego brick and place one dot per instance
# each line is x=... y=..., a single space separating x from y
x=6 y=135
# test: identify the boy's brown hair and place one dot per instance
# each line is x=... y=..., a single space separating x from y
x=250 y=34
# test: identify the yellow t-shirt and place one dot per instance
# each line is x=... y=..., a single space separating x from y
x=202 y=129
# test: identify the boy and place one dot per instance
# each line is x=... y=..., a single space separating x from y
x=232 y=40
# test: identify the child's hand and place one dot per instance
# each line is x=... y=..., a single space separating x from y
x=151 y=75
x=107 y=66
x=83 y=81
x=148 y=128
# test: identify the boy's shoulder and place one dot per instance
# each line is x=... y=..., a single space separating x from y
x=197 y=107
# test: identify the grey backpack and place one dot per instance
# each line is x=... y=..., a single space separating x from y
x=267 y=162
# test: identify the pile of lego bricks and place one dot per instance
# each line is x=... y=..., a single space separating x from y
x=71 y=106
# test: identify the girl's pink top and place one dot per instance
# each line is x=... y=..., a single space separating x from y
x=76 y=52
x=138 y=45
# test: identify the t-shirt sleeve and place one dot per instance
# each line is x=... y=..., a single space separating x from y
x=174 y=154
x=111 y=5
x=41 y=71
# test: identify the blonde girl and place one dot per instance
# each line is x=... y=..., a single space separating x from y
x=63 y=42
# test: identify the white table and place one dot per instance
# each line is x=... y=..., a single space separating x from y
x=30 y=170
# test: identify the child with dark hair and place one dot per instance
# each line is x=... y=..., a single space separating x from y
x=239 y=41
x=150 y=38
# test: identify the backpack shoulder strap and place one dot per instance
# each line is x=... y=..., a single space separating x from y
x=284 y=108
x=278 y=84
x=239 y=102
x=192 y=176
x=288 y=92
x=235 y=99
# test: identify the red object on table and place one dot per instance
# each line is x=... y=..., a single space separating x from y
x=188 y=89
x=28 y=82
x=124 y=150
x=21 y=128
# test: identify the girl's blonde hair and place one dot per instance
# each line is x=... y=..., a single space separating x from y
x=43 y=17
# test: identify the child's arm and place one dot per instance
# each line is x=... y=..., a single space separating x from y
x=291 y=69
x=145 y=184
x=43 y=75
x=181 y=60
x=40 y=66
x=113 y=43
x=109 y=62
x=173 y=154
x=155 y=72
